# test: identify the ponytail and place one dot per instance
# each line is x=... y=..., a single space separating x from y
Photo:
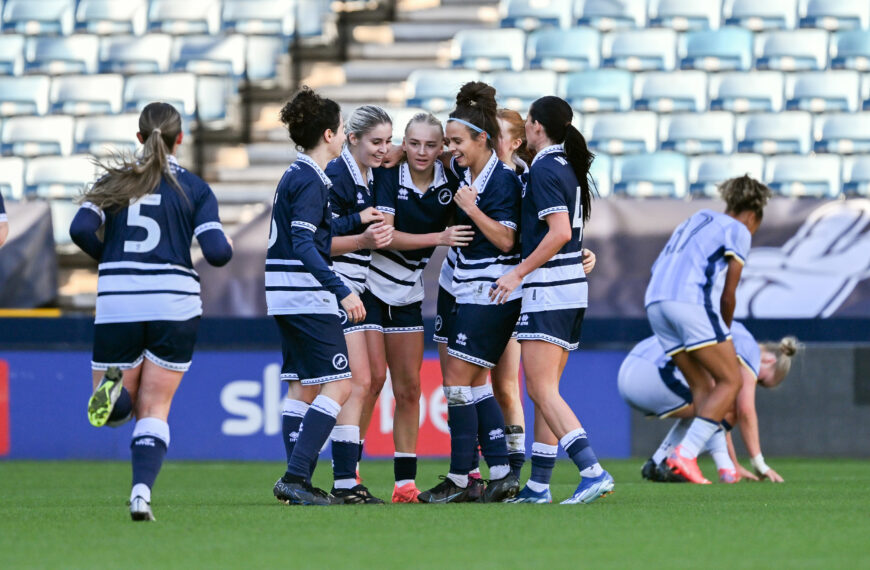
x=784 y=350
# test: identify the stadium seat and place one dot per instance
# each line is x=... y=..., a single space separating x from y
x=517 y=90
x=131 y=55
x=834 y=15
x=185 y=16
x=856 y=176
x=489 y=50
x=262 y=56
x=621 y=133
x=775 y=133
x=12 y=177
x=640 y=50
x=682 y=15
x=607 y=15
x=707 y=172
x=62 y=214
x=213 y=94
x=11 y=54
x=697 y=133
x=106 y=134
x=750 y=92
x=400 y=116
x=666 y=92
x=795 y=50
x=533 y=14
x=573 y=49
x=58 y=176
x=652 y=175
x=601 y=173
x=823 y=91
x=726 y=49
x=178 y=89
x=37 y=136
x=210 y=55
x=814 y=176
x=760 y=16
x=71 y=54
x=851 y=50
x=29 y=17
x=843 y=133
x=599 y=90
x=106 y=17
x=27 y=95
x=259 y=17
x=87 y=94
x=435 y=89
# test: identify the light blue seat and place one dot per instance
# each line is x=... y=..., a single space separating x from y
x=794 y=50
x=106 y=17
x=640 y=50
x=601 y=172
x=105 y=135
x=599 y=90
x=32 y=17
x=834 y=14
x=814 y=176
x=25 y=95
x=87 y=94
x=760 y=16
x=621 y=133
x=533 y=14
x=213 y=96
x=823 y=91
x=856 y=176
x=652 y=175
x=177 y=89
x=573 y=49
x=683 y=15
x=210 y=55
x=55 y=56
x=747 y=92
x=489 y=50
x=262 y=57
x=843 y=133
x=517 y=90
x=59 y=176
x=136 y=54
x=675 y=91
x=435 y=89
x=698 y=133
x=11 y=54
x=12 y=177
x=775 y=133
x=851 y=50
x=179 y=17
x=607 y=15
x=62 y=214
x=37 y=136
x=400 y=116
x=725 y=49
x=706 y=173
x=259 y=17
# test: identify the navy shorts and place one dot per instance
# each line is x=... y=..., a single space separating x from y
x=370 y=323
x=168 y=344
x=395 y=318
x=445 y=311
x=560 y=327
x=313 y=348
x=481 y=332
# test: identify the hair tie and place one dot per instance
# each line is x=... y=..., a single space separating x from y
x=156 y=130
x=469 y=125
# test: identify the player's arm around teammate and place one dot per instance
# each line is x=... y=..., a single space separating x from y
x=148 y=303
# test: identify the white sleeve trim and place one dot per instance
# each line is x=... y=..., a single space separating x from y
x=547 y=211
x=387 y=210
x=94 y=208
x=303 y=225
x=207 y=226
x=508 y=224
x=735 y=255
x=3 y=218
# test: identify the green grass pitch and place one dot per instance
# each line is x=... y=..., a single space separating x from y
x=216 y=515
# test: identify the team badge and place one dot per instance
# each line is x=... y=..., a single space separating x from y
x=438 y=322
x=342 y=316
x=444 y=196
x=339 y=361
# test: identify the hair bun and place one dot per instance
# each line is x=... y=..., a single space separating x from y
x=789 y=346
x=477 y=94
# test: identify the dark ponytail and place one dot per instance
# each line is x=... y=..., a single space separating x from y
x=555 y=115
x=475 y=104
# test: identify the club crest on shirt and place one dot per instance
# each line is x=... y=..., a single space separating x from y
x=403 y=194
x=359 y=198
x=445 y=196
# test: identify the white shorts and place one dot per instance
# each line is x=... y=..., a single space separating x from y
x=686 y=326
x=651 y=390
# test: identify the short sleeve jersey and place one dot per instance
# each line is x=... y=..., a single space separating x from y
x=145 y=272
x=396 y=277
x=301 y=200
x=695 y=257
x=552 y=187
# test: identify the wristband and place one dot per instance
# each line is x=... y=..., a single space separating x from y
x=759 y=464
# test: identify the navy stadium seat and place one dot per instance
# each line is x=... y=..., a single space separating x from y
x=517 y=90
x=599 y=90
x=856 y=176
x=180 y=17
x=31 y=17
x=178 y=89
x=106 y=17
x=136 y=54
x=259 y=17
x=601 y=172
x=59 y=176
x=707 y=172
x=640 y=50
x=621 y=133
x=11 y=54
x=747 y=92
x=489 y=50
x=87 y=94
x=834 y=14
x=573 y=49
x=697 y=133
x=106 y=134
x=851 y=50
x=435 y=89
x=55 y=56
x=666 y=92
x=533 y=14
x=843 y=133
x=726 y=49
x=12 y=177
x=653 y=175
x=683 y=15
x=775 y=133
x=210 y=55
x=37 y=136
x=25 y=95
x=814 y=176
x=607 y=15
x=794 y=50
x=762 y=15
x=823 y=91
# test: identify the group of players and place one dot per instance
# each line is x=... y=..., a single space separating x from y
x=354 y=223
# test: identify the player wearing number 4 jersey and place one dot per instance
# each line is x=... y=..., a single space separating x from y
x=148 y=303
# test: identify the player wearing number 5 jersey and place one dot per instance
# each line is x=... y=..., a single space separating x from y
x=148 y=303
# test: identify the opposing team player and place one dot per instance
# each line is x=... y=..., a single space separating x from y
x=556 y=204
x=303 y=294
x=148 y=303
x=650 y=382
x=693 y=326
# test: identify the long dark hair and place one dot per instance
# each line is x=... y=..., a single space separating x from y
x=475 y=103
x=555 y=115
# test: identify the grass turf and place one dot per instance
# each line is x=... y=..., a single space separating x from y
x=72 y=515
